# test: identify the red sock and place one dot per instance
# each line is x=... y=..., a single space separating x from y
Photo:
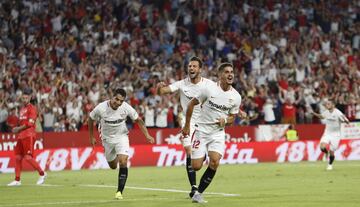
x=34 y=164
x=18 y=167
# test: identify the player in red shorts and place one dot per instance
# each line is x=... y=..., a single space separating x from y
x=25 y=139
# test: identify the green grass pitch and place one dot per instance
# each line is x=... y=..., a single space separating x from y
x=267 y=184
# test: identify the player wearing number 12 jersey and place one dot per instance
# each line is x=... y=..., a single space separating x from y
x=220 y=104
x=188 y=88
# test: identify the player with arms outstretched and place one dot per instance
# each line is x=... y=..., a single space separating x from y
x=332 y=135
x=25 y=139
x=220 y=104
x=188 y=88
x=111 y=116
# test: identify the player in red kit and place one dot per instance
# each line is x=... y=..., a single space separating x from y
x=25 y=139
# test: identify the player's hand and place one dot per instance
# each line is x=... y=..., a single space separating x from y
x=242 y=114
x=16 y=130
x=159 y=86
x=221 y=122
x=185 y=131
x=150 y=139
x=93 y=141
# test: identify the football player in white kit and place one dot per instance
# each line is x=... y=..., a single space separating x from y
x=111 y=116
x=332 y=118
x=220 y=104
x=188 y=88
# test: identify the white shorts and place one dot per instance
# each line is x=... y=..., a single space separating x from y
x=332 y=139
x=186 y=141
x=113 y=149
x=203 y=143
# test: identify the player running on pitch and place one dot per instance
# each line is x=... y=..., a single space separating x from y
x=111 y=116
x=188 y=88
x=332 y=135
x=220 y=104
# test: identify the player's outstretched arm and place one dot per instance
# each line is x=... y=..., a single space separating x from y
x=144 y=130
x=318 y=115
x=343 y=118
x=162 y=89
x=189 y=112
x=91 y=132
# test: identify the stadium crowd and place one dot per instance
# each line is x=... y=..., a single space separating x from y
x=288 y=56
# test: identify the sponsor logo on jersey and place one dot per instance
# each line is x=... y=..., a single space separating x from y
x=220 y=107
x=188 y=97
x=114 y=122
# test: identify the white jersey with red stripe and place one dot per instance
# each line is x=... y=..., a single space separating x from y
x=216 y=103
x=187 y=91
x=112 y=125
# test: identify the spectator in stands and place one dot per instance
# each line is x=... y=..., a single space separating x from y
x=48 y=120
x=149 y=115
x=130 y=42
x=12 y=120
x=3 y=116
x=253 y=113
x=288 y=112
x=161 y=115
x=268 y=110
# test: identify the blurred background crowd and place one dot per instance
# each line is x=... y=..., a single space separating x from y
x=288 y=55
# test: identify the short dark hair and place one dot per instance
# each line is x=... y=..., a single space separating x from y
x=331 y=100
x=119 y=91
x=222 y=66
x=27 y=91
x=195 y=58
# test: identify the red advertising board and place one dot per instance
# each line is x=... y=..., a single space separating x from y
x=81 y=139
x=234 y=134
x=173 y=155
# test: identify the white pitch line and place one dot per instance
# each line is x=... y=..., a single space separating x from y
x=159 y=189
x=42 y=185
x=63 y=203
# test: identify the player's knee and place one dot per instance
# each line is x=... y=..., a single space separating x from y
x=196 y=166
x=123 y=162
x=188 y=151
x=214 y=164
x=18 y=157
x=323 y=149
x=113 y=166
x=28 y=157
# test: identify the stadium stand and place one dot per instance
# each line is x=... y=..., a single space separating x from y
x=288 y=54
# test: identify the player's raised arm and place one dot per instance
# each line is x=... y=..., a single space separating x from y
x=189 y=112
x=144 y=130
x=343 y=118
x=162 y=88
x=317 y=115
